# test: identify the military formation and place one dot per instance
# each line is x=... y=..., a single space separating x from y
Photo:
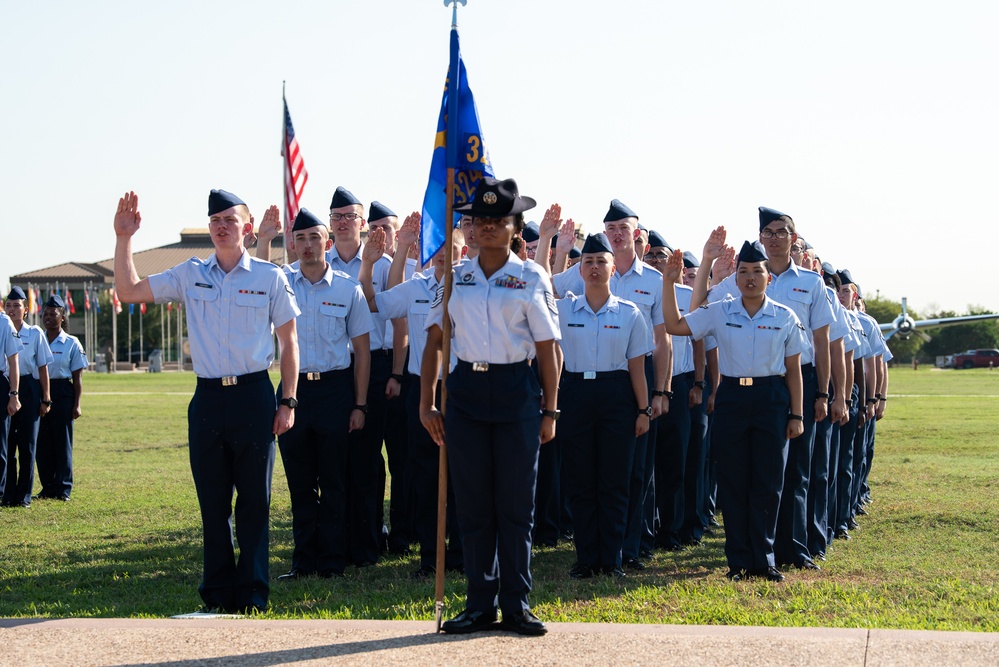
x=622 y=395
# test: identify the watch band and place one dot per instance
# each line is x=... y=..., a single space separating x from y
x=362 y=408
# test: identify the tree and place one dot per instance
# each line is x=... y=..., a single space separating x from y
x=961 y=337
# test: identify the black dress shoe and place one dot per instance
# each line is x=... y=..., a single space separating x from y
x=820 y=556
x=469 y=621
x=770 y=574
x=736 y=575
x=581 y=571
x=645 y=553
x=634 y=564
x=852 y=524
x=807 y=565
x=614 y=571
x=523 y=623
x=714 y=523
x=841 y=534
x=293 y=574
x=861 y=511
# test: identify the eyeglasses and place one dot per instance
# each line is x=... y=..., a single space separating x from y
x=796 y=250
x=337 y=217
x=656 y=257
x=770 y=234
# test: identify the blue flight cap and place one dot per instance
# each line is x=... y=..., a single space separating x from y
x=306 y=220
x=554 y=240
x=642 y=227
x=689 y=260
x=597 y=243
x=808 y=246
x=379 y=211
x=656 y=240
x=828 y=269
x=344 y=197
x=768 y=215
x=574 y=253
x=496 y=199
x=531 y=232
x=860 y=293
x=845 y=277
x=55 y=301
x=752 y=252
x=16 y=294
x=220 y=200
x=619 y=211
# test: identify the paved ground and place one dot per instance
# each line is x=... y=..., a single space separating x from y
x=217 y=642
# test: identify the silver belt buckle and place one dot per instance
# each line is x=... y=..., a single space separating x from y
x=480 y=366
x=229 y=381
x=745 y=382
x=312 y=376
x=589 y=375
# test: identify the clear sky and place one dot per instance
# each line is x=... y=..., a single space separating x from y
x=874 y=124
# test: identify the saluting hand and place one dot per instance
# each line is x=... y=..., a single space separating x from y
x=551 y=223
x=725 y=266
x=409 y=233
x=714 y=246
x=270 y=225
x=127 y=218
x=566 y=237
x=375 y=247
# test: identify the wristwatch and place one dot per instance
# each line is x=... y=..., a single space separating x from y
x=668 y=394
x=703 y=384
x=291 y=402
x=554 y=414
x=798 y=417
x=13 y=393
x=47 y=403
x=362 y=408
x=647 y=411
x=397 y=377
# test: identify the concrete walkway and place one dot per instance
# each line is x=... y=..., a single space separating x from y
x=216 y=642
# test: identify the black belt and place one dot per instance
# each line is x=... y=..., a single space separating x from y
x=807 y=367
x=233 y=380
x=595 y=375
x=324 y=376
x=484 y=366
x=26 y=375
x=687 y=375
x=61 y=380
x=381 y=353
x=750 y=382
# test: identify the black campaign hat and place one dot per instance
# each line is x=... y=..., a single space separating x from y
x=378 y=211
x=768 y=215
x=220 y=200
x=344 y=197
x=618 y=211
x=752 y=252
x=55 y=301
x=496 y=199
x=306 y=220
x=16 y=294
x=597 y=243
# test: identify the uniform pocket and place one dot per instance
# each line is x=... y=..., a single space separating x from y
x=333 y=322
x=251 y=312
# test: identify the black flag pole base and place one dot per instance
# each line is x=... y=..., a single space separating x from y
x=439 y=609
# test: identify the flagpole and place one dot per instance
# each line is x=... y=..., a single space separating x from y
x=453 y=88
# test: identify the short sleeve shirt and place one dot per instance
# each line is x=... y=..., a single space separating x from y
x=67 y=356
x=600 y=341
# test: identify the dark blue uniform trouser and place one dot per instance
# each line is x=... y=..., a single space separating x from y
x=54 y=450
x=397 y=450
x=314 y=453
x=424 y=466
x=232 y=449
x=492 y=426
x=21 y=440
x=748 y=436
x=865 y=434
x=639 y=528
x=844 y=476
x=865 y=490
x=700 y=431
x=791 y=544
x=818 y=487
x=831 y=508
x=548 y=495
x=672 y=444
x=695 y=518
x=366 y=470
x=598 y=429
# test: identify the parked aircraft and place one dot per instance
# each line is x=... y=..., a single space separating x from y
x=904 y=325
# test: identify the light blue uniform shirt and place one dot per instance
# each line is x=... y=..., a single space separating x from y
x=879 y=346
x=67 y=356
x=35 y=350
x=412 y=299
x=9 y=344
x=799 y=289
x=334 y=310
x=381 y=335
x=229 y=315
x=841 y=327
x=499 y=319
x=750 y=346
x=642 y=285
x=601 y=341
x=863 y=350
x=683 y=346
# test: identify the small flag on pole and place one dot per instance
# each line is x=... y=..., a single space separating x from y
x=31 y=301
x=295 y=174
x=115 y=301
x=69 y=302
x=467 y=155
x=86 y=299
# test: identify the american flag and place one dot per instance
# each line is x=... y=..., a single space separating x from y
x=295 y=174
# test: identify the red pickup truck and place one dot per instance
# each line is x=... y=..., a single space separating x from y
x=977 y=359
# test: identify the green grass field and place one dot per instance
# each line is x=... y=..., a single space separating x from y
x=128 y=544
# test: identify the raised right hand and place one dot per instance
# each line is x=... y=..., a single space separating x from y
x=715 y=244
x=127 y=218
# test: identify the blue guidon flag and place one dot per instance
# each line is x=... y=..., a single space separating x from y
x=459 y=144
